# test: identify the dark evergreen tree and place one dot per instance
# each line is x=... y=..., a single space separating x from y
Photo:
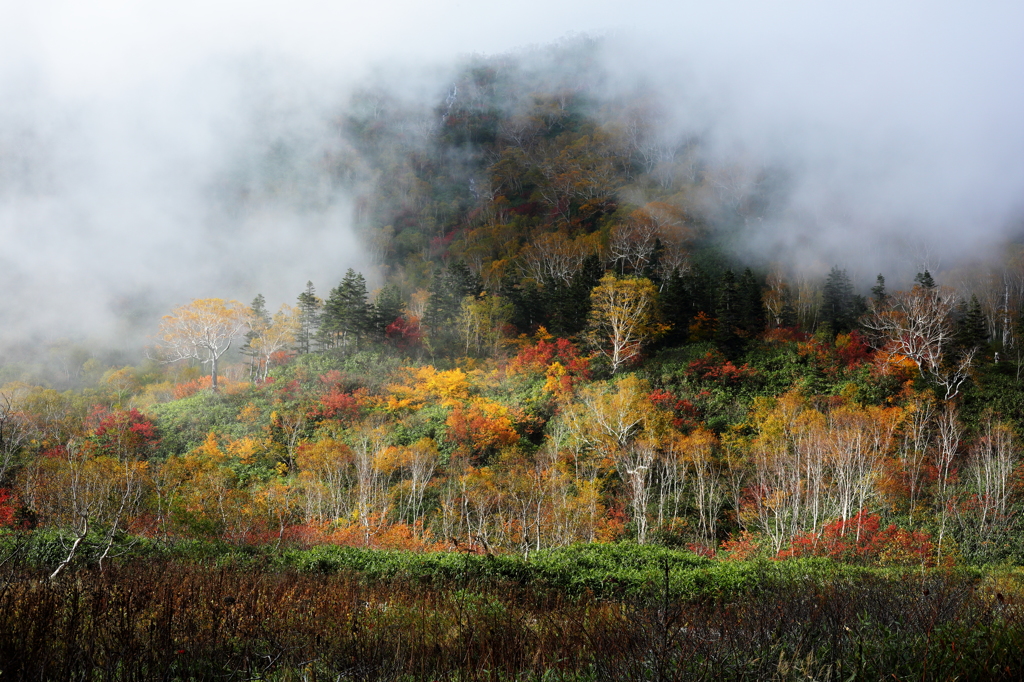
x=527 y=312
x=729 y=316
x=839 y=307
x=701 y=288
x=310 y=306
x=566 y=307
x=347 y=316
x=683 y=296
x=676 y=308
x=788 y=317
x=448 y=288
x=387 y=308
x=652 y=270
x=924 y=280
x=971 y=326
x=878 y=294
x=751 y=305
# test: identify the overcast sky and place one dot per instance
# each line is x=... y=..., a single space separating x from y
x=116 y=117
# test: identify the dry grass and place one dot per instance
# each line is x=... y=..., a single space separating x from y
x=168 y=620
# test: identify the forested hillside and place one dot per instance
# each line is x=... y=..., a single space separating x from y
x=554 y=342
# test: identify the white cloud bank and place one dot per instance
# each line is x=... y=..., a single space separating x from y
x=118 y=121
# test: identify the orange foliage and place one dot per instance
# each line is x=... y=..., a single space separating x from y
x=702 y=328
x=742 y=548
x=888 y=363
x=482 y=427
x=190 y=388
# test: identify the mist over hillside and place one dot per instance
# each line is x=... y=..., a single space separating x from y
x=149 y=157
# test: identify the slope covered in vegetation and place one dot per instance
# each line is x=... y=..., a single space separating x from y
x=561 y=350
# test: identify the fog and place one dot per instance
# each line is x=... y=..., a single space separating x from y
x=151 y=155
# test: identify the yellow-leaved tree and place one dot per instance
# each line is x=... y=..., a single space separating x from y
x=202 y=330
x=624 y=316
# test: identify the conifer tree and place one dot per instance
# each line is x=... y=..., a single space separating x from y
x=840 y=307
x=728 y=312
x=259 y=318
x=309 y=319
x=971 y=327
x=878 y=294
x=448 y=288
x=751 y=306
x=387 y=307
x=924 y=280
x=565 y=306
x=346 y=317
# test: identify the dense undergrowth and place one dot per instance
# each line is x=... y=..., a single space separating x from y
x=595 y=612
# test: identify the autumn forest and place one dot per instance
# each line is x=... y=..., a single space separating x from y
x=553 y=343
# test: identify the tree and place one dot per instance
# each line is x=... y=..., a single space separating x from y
x=269 y=336
x=971 y=327
x=924 y=280
x=484 y=322
x=565 y=307
x=310 y=307
x=839 y=306
x=623 y=426
x=203 y=330
x=776 y=300
x=751 y=304
x=346 y=314
x=555 y=257
x=918 y=324
x=729 y=310
x=878 y=294
x=448 y=289
x=79 y=489
x=624 y=316
x=14 y=431
x=259 y=318
x=387 y=307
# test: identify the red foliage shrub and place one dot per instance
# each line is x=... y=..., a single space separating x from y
x=686 y=416
x=861 y=539
x=537 y=358
x=336 y=404
x=7 y=508
x=853 y=349
x=715 y=368
x=783 y=335
x=404 y=333
x=126 y=433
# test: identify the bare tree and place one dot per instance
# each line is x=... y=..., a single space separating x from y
x=987 y=513
x=556 y=257
x=14 y=432
x=918 y=324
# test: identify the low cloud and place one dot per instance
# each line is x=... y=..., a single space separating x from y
x=150 y=155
